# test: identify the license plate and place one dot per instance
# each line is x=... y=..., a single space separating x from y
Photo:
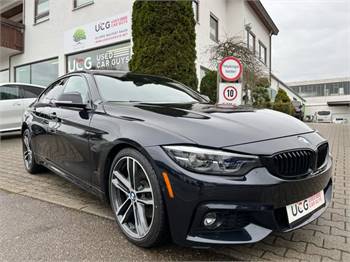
x=302 y=208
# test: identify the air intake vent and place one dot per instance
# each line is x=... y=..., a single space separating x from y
x=322 y=152
x=291 y=164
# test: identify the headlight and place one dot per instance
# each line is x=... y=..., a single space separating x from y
x=209 y=161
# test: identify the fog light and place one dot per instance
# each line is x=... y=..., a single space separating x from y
x=209 y=219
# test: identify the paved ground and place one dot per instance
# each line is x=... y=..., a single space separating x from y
x=35 y=230
x=326 y=239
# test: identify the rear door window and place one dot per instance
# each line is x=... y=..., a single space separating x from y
x=30 y=91
x=8 y=92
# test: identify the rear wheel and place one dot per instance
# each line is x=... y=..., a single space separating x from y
x=28 y=155
x=136 y=199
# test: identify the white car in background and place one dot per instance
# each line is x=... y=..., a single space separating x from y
x=324 y=116
x=14 y=99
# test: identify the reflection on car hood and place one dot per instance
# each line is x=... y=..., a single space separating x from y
x=211 y=125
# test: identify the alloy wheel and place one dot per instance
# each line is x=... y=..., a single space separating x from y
x=132 y=197
x=27 y=151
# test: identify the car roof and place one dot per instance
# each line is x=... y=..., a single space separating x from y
x=22 y=84
x=102 y=72
x=115 y=73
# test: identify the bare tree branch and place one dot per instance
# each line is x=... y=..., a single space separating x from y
x=234 y=46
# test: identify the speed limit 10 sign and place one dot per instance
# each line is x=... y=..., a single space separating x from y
x=230 y=93
x=230 y=69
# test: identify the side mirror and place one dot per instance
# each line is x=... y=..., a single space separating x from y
x=71 y=99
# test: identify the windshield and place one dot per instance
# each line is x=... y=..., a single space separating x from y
x=144 y=89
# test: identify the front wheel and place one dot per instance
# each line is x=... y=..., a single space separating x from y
x=28 y=155
x=136 y=199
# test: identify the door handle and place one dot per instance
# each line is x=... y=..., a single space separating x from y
x=16 y=104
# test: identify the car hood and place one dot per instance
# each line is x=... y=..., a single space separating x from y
x=210 y=125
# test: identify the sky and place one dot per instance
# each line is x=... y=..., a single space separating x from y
x=314 y=39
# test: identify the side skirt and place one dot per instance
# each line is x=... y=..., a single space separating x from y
x=78 y=182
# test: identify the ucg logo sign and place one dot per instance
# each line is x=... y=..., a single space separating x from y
x=80 y=64
x=102 y=26
x=300 y=207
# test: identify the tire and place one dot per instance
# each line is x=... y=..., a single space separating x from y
x=134 y=196
x=30 y=163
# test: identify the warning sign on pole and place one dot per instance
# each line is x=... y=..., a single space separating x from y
x=230 y=94
x=230 y=69
x=230 y=81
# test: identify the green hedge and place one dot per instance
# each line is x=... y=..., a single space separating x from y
x=283 y=107
x=164 y=40
x=208 y=85
x=282 y=96
x=283 y=103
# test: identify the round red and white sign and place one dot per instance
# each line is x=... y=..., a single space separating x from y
x=230 y=68
x=230 y=93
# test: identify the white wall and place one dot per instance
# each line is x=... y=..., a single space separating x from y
x=4 y=57
x=319 y=103
x=260 y=31
x=4 y=64
x=233 y=16
x=45 y=40
x=4 y=76
x=203 y=41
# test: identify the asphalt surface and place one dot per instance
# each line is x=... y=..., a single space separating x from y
x=35 y=230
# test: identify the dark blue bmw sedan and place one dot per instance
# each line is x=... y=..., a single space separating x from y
x=173 y=165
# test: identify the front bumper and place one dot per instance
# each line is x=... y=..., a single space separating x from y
x=254 y=206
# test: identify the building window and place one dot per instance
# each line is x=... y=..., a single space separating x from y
x=40 y=73
x=251 y=41
x=23 y=74
x=346 y=87
x=42 y=10
x=80 y=3
x=115 y=57
x=214 y=28
x=195 y=5
x=262 y=53
x=311 y=90
x=325 y=89
x=334 y=89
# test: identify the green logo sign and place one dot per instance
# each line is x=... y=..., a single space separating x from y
x=79 y=35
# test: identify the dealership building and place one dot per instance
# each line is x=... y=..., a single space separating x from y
x=277 y=83
x=325 y=95
x=43 y=39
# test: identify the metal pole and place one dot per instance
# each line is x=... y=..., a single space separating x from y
x=218 y=81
